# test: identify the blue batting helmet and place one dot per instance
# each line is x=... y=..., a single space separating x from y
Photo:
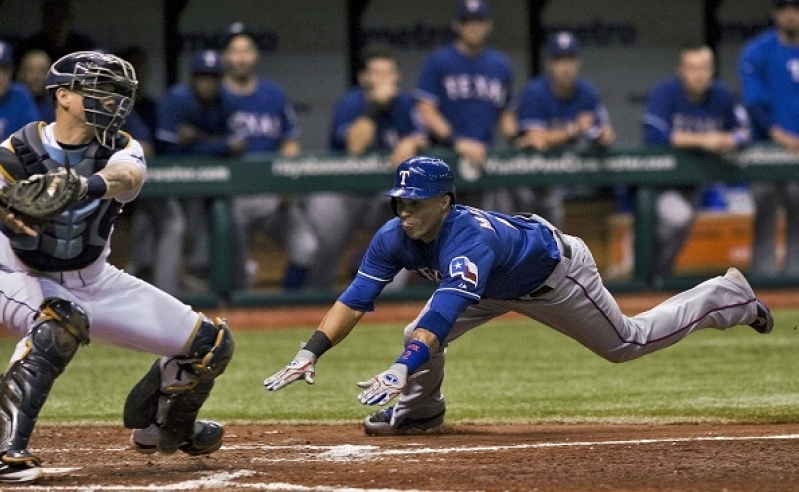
x=422 y=177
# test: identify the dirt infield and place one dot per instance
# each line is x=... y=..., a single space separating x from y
x=341 y=458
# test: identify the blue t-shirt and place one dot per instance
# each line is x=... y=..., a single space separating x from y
x=180 y=106
x=265 y=118
x=397 y=122
x=470 y=92
x=539 y=107
x=769 y=73
x=17 y=109
x=669 y=110
x=477 y=254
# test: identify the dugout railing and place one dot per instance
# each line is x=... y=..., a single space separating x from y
x=648 y=169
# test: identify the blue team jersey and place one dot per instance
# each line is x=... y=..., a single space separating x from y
x=477 y=254
x=769 y=73
x=17 y=109
x=393 y=125
x=470 y=92
x=265 y=118
x=539 y=107
x=180 y=106
x=134 y=125
x=669 y=110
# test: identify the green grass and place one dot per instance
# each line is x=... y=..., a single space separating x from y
x=501 y=372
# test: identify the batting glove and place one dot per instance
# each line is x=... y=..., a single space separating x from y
x=301 y=367
x=382 y=388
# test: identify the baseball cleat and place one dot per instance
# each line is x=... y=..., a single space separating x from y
x=764 y=321
x=206 y=438
x=379 y=423
x=20 y=472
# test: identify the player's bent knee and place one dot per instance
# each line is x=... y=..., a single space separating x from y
x=211 y=349
x=59 y=328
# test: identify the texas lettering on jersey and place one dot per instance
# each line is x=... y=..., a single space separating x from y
x=468 y=86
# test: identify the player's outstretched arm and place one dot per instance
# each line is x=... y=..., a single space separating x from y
x=335 y=326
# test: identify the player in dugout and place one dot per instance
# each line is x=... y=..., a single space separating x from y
x=487 y=264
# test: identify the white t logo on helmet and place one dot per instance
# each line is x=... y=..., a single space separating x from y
x=403 y=175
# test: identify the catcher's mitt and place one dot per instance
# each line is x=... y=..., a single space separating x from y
x=42 y=196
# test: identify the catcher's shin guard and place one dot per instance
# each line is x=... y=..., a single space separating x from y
x=172 y=392
x=60 y=327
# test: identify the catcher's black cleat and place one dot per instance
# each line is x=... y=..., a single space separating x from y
x=764 y=322
x=20 y=472
x=379 y=423
x=206 y=438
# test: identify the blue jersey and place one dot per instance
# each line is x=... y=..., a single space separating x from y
x=769 y=73
x=470 y=92
x=265 y=118
x=137 y=128
x=669 y=110
x=16 y=110
x=477 y=254
x=539 y=107
x=180 y=106
x=46 y=108
x=393 y=125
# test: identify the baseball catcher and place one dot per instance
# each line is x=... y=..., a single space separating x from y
x=62 y=186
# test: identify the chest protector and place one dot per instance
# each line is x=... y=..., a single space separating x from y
x=77 y=237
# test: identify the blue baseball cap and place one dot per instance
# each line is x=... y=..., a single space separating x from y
x=472 y=9
x=206 y=62
x=6 y=54
x=563 y=44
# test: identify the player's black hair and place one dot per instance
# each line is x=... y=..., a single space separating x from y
x=376 y=51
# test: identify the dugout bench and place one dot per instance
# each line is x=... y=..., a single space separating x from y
x=646 y=168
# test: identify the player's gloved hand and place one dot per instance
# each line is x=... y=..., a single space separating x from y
x=382 y=388
x=301 y=367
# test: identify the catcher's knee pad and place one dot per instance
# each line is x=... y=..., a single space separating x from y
x=59 y=328
x=173 y=390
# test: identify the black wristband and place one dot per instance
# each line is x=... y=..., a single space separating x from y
x=96 y=187
x=318 y=344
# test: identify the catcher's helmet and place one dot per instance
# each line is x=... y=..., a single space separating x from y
x=419 y=178
x=108 y=85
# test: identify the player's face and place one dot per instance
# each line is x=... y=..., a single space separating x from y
x=241 y=57
x=381 y=71
x=564 y=70
x=422 y=219
x=696 y=71
x=33 y=71
x=786 y=19
x=473 y=33
x=206 y=86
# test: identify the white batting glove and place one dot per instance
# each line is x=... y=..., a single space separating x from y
x=301 y=367
x=382 y=388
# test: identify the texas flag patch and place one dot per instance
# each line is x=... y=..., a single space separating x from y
x=460 y=266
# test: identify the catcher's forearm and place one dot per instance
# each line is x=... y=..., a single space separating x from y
x=120 y=179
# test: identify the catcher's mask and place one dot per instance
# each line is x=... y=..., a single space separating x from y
x=421 y=177
x=108 y=85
